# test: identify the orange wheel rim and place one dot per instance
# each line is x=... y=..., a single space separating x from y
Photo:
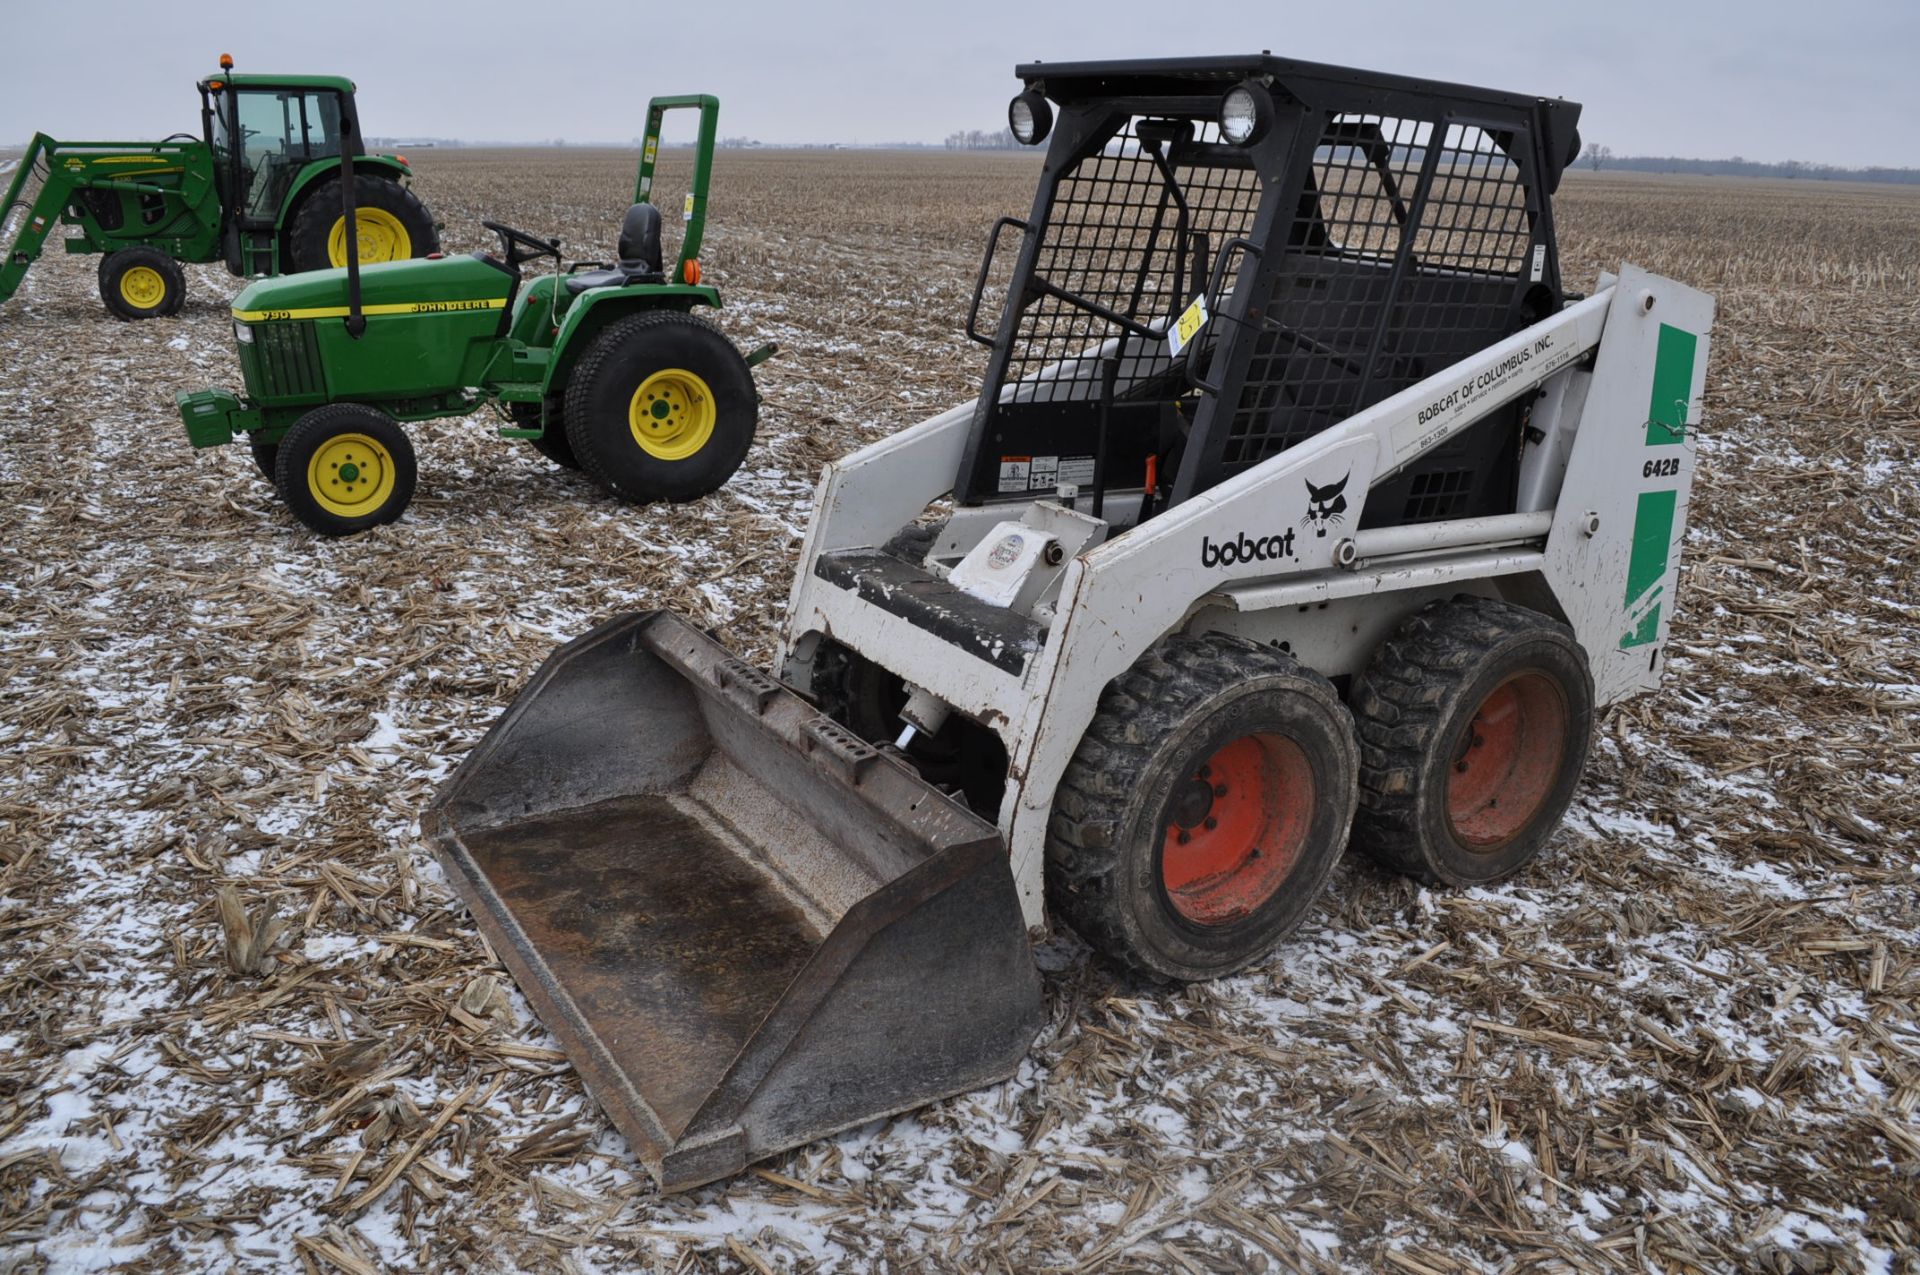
x=1235 y=828
x=1507 y=761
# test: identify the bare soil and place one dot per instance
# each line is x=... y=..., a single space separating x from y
x=244 y=1024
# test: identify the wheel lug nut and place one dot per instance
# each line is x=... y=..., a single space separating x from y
x=1219 y=790
x=1478 y=741
x=1205 y=771
x=1460 y=766
x=1184 y=837
x=1212 y=823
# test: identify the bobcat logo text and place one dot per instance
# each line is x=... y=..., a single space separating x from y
x=1245 y=548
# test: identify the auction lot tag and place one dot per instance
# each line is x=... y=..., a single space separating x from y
x=1184 y=328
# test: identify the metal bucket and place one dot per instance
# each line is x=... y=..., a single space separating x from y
x=748 y=928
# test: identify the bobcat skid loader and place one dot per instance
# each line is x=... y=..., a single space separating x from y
x=1299 y=506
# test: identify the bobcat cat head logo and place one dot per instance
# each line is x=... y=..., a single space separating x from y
x=1326 y=505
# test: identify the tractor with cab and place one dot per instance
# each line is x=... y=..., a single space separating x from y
x=600 y=366
x=277 y=182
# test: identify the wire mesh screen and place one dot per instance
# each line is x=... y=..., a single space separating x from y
x=1402 y=257
x=1117 y=236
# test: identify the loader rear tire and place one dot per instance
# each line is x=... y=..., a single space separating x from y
x=553 y=444
x=661 y=407
x=1474 y=718
x=142 y=283
x=1204 y=809
x=344 y=468
x=391 y=223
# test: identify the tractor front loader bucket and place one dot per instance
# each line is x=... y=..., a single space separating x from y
x=748 y=927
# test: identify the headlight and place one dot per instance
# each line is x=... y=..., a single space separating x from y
x=1245 y=113
x=1030 y=118
x=243 y=333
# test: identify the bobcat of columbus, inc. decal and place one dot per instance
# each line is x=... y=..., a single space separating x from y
x=1325 y=505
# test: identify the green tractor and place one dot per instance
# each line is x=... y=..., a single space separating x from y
x=278 y=182
x=602 y=367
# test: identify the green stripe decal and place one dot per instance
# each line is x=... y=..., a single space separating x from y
x=1652 y=542
x=1672 y=386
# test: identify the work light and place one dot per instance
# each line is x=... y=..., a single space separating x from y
x=1245 y=113
x=1030 y=118
x=243 y=333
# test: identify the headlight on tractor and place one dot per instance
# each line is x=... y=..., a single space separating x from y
x=242 y=332
x=1030 y=118
x=1246 y=112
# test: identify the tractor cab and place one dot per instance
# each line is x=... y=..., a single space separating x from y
x=275 y=140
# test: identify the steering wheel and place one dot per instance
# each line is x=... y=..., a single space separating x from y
x=522 y=247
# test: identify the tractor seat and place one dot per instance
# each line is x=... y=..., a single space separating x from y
x=639 y=254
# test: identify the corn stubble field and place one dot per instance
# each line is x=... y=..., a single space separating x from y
x=244 y=1024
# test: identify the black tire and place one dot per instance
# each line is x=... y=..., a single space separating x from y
x=310 y=237
x=654 y=352
x=142 y=283
x=265 y=457
x=333 y=480
x=915 y=541
x=1143 y=779
x=1470 y=702
x=554 y=444
x=866 y=698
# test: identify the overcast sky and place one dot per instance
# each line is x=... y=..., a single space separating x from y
x=1830 y=81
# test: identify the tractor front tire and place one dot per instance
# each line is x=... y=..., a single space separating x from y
x=344 y=468
x=391 y=222
x=142 y=283
x=661 y=407
x=553 y=444
x=1475 y=718
x=1204 y=808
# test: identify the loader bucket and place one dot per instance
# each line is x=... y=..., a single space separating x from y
x=748 y=928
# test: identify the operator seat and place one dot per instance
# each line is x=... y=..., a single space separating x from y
x=639 y=254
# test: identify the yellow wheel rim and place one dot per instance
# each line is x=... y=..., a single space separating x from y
x=382 y=237
x=350 y=475
x=143 y=288
x=672 y=414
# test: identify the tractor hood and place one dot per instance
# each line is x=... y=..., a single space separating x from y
x=420 y=286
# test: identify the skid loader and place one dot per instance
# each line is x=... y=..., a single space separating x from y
x=277 y=181
x=1300 y=505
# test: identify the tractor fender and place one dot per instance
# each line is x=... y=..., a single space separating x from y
x=383 y=166
x=595 y=309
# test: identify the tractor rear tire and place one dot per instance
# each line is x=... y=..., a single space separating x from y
x=661 y=407
x=392 y=223
x=553 y=444
x=1204 y=809
x=142 y=283
x=265 y=457
x=1475 y=718
x=344 y=468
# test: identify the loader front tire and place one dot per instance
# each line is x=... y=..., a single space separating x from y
x=390 y=224
x=1474 y=719
x=344 y=468
x=1204 y=808
x=142 y=283
x=661 y=407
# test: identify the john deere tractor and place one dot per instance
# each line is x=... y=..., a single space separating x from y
x=599 y=366
x=277 y=182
